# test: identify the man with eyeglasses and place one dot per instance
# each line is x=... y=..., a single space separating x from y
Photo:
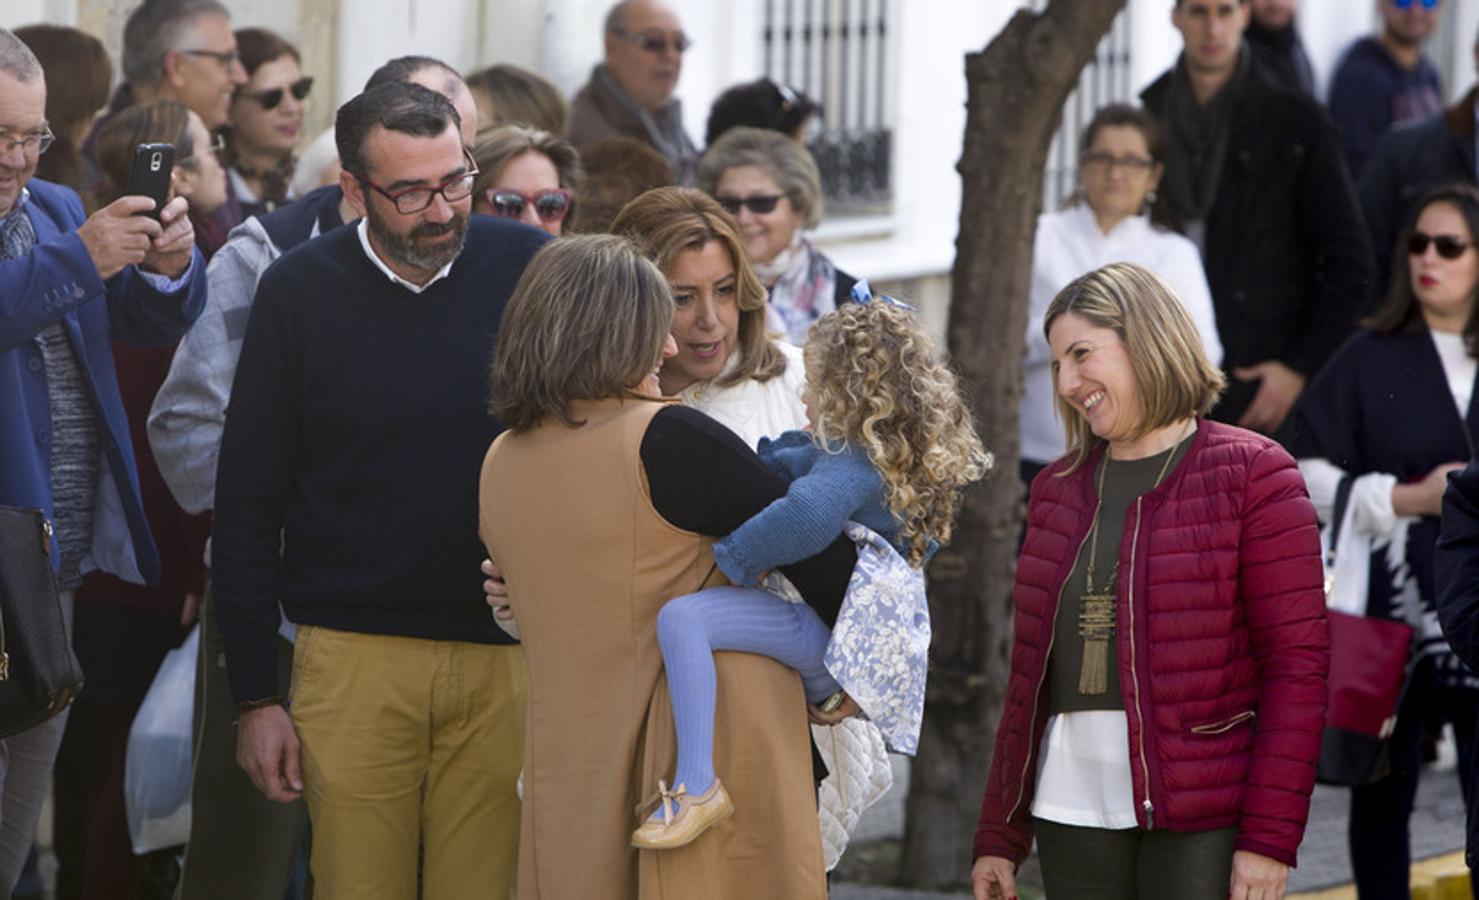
x=1385 y=79
x=347 y=492
x=630 y=94
x=69 y=286
x=185 y=51
x=1254 y=174
x=1411 y=159
x=241 y=844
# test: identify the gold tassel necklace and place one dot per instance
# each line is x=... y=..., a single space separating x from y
x=1097 y=614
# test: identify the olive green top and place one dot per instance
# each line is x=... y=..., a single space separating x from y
x=1123 y=481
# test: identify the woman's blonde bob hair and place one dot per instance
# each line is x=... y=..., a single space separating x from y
x=588 y=319
x=1173 y=376
x=667 y=221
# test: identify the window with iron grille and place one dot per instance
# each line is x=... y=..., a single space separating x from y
x=1105 y=80
x=836 y=52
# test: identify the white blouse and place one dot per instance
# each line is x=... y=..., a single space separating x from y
x=1069 y=244
x=754 y=409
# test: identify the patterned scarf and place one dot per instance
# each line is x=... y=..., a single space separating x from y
x=803 y=288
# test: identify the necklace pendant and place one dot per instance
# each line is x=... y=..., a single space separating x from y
x=1096 y=627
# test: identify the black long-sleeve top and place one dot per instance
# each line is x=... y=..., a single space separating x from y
x=703 y=478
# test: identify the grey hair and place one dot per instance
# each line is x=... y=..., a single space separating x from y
x=159 y=28
x=16 y=59
x=785 y=160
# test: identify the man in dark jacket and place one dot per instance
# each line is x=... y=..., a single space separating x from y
x=1273 y=36
x=1456 y=573
x=1255 y=176
x=1411 y=159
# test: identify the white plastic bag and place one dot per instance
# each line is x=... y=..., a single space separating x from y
x=156 y=778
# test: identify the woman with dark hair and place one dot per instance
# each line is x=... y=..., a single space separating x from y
x=1111 y=221
x=266 y=121
x=78 y=74
x=761 y=103
x=121 y=631
x=1392 y=414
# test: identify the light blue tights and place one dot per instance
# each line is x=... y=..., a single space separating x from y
x=748 y=620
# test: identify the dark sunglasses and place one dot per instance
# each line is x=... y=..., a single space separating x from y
x=272 y=97
x=1448 y=246
x=655 y=42
x=550 y=205
x=759 y=204
x=1408 y=4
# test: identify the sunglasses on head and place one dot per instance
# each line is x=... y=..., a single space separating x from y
x=1408 y=4
x=273 y=96
x=550 y=205
x=759 y=204
x=1448 y=246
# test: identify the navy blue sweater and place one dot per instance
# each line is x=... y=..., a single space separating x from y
x=354 y=440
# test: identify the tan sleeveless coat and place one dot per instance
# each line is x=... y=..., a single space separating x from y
x=566 y=514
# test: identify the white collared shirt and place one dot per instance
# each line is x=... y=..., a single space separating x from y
x=363 y=229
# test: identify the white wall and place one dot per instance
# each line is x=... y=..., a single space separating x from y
x=15 y=13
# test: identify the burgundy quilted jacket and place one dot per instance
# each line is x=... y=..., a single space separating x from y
x=1222 y=646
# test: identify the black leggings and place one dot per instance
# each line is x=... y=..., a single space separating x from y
x=1133 y=864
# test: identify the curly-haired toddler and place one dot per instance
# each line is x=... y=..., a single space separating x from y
x=891 y=447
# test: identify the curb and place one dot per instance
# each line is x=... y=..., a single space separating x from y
x=1437 y=878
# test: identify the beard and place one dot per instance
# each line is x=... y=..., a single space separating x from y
x=408 y=249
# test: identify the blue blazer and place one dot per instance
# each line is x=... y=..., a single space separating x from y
x=58 y=281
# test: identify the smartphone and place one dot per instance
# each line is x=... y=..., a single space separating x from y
x=153 y=166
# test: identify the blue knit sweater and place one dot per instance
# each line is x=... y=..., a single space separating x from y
x=828 y=489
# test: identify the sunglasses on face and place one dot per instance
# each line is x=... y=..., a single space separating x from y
x=655 y=42
x=273 y=96
x=1409 y=4
x=1448 y=246
x=759 y=204
x=550 y=205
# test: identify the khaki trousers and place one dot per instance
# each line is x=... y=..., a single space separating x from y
x=409 y=746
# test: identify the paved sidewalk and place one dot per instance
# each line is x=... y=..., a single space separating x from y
x=1437 y=828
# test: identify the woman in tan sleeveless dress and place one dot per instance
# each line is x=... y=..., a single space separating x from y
x=599 y=504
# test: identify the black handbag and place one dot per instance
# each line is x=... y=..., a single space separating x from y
x=39 y=673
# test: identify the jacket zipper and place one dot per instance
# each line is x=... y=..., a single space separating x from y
x=1145 y=804
x=1037 y=693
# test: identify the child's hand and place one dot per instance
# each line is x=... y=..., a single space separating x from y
x=848 y=708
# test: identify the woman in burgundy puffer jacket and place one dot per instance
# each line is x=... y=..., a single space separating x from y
x=1167 y=689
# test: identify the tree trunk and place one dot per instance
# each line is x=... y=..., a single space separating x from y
x=1016 y=90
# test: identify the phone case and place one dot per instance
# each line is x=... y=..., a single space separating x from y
x=153 y=166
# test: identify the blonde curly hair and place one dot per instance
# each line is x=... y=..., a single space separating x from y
x=874 y=380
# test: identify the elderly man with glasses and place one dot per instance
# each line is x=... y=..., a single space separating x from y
x=630 y=94
x=347 y=493
x=185 y=51
x=69 y=286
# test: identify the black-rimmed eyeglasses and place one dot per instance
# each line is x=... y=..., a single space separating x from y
x=414 y=200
